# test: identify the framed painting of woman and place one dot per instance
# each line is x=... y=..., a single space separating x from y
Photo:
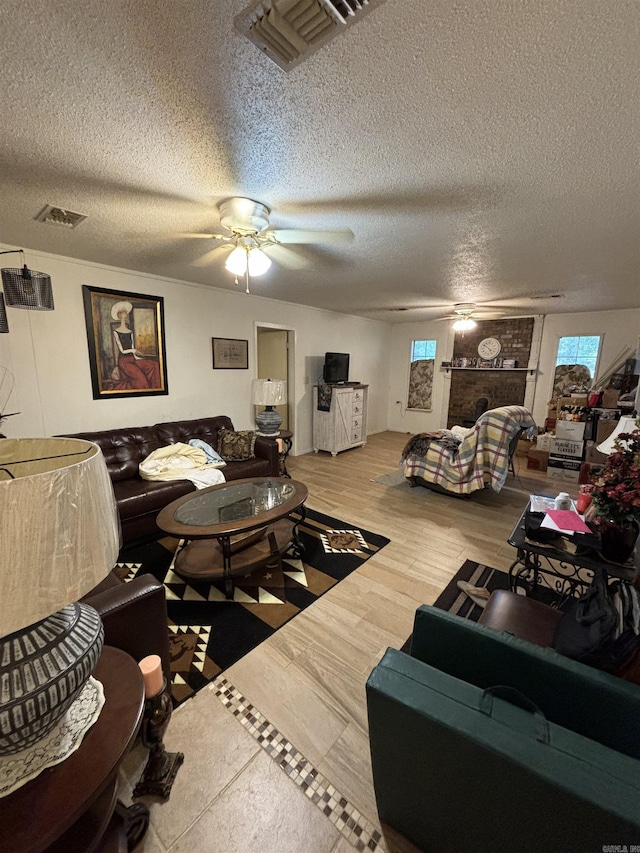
x=125 y=333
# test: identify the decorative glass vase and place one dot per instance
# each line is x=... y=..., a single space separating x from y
x=618 y=539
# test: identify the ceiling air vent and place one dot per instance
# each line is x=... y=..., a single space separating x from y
x=57 y=216
x=288 y=31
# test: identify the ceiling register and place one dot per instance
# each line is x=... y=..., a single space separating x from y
x=288 y=31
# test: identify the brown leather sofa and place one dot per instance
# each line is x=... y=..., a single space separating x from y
x=139 y=501
x=134 y=616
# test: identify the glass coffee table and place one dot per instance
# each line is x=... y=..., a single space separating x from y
x=235 y=528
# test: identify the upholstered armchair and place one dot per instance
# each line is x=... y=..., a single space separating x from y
x=482 y=457
x=134 y=616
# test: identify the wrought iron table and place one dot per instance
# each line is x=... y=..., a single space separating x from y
x=541 y=564
x=286 y=436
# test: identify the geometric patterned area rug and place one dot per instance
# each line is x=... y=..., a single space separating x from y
x=208 y=633
x=455 y=601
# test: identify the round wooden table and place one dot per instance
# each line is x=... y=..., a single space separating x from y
x=235 y=527
x=70 y=807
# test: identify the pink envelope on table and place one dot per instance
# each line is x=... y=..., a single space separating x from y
x=567 y=519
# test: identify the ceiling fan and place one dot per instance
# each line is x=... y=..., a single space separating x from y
x=251 y=243
x=463 y=313
x=468 y=312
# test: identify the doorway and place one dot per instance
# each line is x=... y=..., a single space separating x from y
x=274 y=360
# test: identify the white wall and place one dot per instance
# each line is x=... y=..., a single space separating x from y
x=47 y=352
x=409 y=420
x=618 y=328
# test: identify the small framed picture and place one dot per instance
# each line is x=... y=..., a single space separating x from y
x=230 y=354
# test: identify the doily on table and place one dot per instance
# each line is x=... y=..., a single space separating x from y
x=16 y=770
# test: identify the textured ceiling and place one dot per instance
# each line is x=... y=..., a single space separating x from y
x=479 y=151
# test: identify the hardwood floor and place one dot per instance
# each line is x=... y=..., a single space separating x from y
x=308 y=679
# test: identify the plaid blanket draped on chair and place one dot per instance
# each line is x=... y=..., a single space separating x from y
x=481 y=458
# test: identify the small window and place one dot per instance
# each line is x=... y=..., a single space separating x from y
x=423 y=354
x=422 y=350
x=579 y=349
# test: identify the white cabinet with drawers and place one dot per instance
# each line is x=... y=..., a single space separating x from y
x=345 y=424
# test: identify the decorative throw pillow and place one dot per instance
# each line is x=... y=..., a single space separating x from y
x=235 y=446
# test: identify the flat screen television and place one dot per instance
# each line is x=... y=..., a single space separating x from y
x=336 y=367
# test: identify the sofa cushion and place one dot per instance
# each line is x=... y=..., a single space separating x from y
x=254 y=467
x=123 y=449
x=205 y=429
x=138 y=497
x=236 y=446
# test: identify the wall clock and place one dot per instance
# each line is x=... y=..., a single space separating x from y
x=489 y=348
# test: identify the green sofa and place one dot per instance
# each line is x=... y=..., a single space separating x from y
x=457 y=767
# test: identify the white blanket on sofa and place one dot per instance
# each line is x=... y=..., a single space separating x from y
x=181 y=462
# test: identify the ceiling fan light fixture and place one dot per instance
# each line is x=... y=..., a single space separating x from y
x=237 y=261
x=259 y=263
x=464 y=324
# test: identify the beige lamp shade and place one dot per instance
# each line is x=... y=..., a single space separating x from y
x=269 y=392
x=625 y=425
x=59 y=526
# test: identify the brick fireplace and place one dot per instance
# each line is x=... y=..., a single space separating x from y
x=499 y=387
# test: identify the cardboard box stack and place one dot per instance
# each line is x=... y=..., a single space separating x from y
x=537 y=460
x=538 y=455
x=565 y=457
x=609 y=398
x=567 y=451
x=592 y=455
x=570 y=430
x=605 y=427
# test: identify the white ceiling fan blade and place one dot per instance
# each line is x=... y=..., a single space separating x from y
x=199 y=236
x=285 y=257
x=490 y=306
x=209 y=257
x=293 y=235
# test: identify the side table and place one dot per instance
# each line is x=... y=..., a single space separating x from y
x=73 y=806
x=286 y=436
x=566 y=573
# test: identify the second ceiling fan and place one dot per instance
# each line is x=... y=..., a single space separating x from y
x=252 y=244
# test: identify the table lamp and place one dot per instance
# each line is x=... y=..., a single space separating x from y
x=269 y=393
x=625 y=425
x=60 y=534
